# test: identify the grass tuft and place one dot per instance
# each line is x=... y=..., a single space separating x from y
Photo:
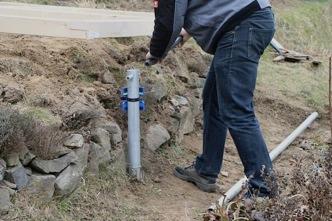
x=22 y=130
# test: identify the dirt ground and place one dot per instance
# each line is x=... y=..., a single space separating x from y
x=59 y=74
x=178 y=200
x=47 y=68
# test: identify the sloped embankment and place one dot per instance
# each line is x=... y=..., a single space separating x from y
x=73 y=84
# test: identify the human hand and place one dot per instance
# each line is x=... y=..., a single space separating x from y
x=185 y=36
x=151 y=60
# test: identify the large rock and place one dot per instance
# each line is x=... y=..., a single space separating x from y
x=115 y=131
x=12 y=159
x=2 y=169
x=11 y=191
x=187 y=120
x=28 y=171
x=101 y=137
x=82 y=156
x=18 y=176
x=8 y=184
x=181 y=70
x=5 y=203
x=157 y=91
x=196 y=106
x=186 y=116
x=107 y=78
x=13 y=93
x=27 y=158
x=80 y=113
x=183 y=116
x=68 y=180
x=54 y=166
x=197 y=93
x=198 y=83
x=156 y=136
x=42 y=186
x=1 y=89
x=112 y=128
x=179 y=101
x=74 y=141
x=196 y=62
x=98 y=155
x=62 y=150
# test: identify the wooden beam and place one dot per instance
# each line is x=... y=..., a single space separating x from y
x=70 y=22
x=19 y=25
x=38 y=13
x=123 y=28
x=52 y=8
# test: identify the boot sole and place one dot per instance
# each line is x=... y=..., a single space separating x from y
x=210 y=188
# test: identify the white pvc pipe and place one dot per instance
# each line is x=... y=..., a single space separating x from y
x=277 y=46
x=236 y=188
x=281 y=147
x=134 y=148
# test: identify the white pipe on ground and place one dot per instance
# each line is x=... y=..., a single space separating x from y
x=236 y=189
x=283 y=146
x=134 y=139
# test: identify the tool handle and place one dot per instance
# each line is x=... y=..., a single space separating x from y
x=153 y=60
x=178 y=41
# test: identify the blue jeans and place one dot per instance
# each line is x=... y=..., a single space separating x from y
x=228 y=101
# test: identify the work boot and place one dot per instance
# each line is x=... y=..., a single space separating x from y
x=189 y=174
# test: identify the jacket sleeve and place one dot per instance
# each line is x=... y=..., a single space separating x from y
x=169 y=18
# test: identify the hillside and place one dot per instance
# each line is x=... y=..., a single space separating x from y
x=74 y=83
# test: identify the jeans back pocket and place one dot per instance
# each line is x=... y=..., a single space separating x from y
x=259 y=39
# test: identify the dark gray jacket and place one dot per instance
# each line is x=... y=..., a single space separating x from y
x=205 y=20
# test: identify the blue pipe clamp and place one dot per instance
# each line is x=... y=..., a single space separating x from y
x=124 y=99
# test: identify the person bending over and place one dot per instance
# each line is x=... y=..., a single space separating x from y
x=236 y=32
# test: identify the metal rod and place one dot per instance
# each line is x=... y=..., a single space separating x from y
x=134 y=148
x=236 y=188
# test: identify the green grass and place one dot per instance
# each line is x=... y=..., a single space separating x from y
x=42 y=114
x=64 y=206
x=305 y=27
x=86 y=78
x=174 y=154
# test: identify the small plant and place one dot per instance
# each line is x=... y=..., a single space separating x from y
x=11 y=136
x=310 y=193
x=19 y=130
x=43 y=140
x=80 y=118
x=307 y=195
